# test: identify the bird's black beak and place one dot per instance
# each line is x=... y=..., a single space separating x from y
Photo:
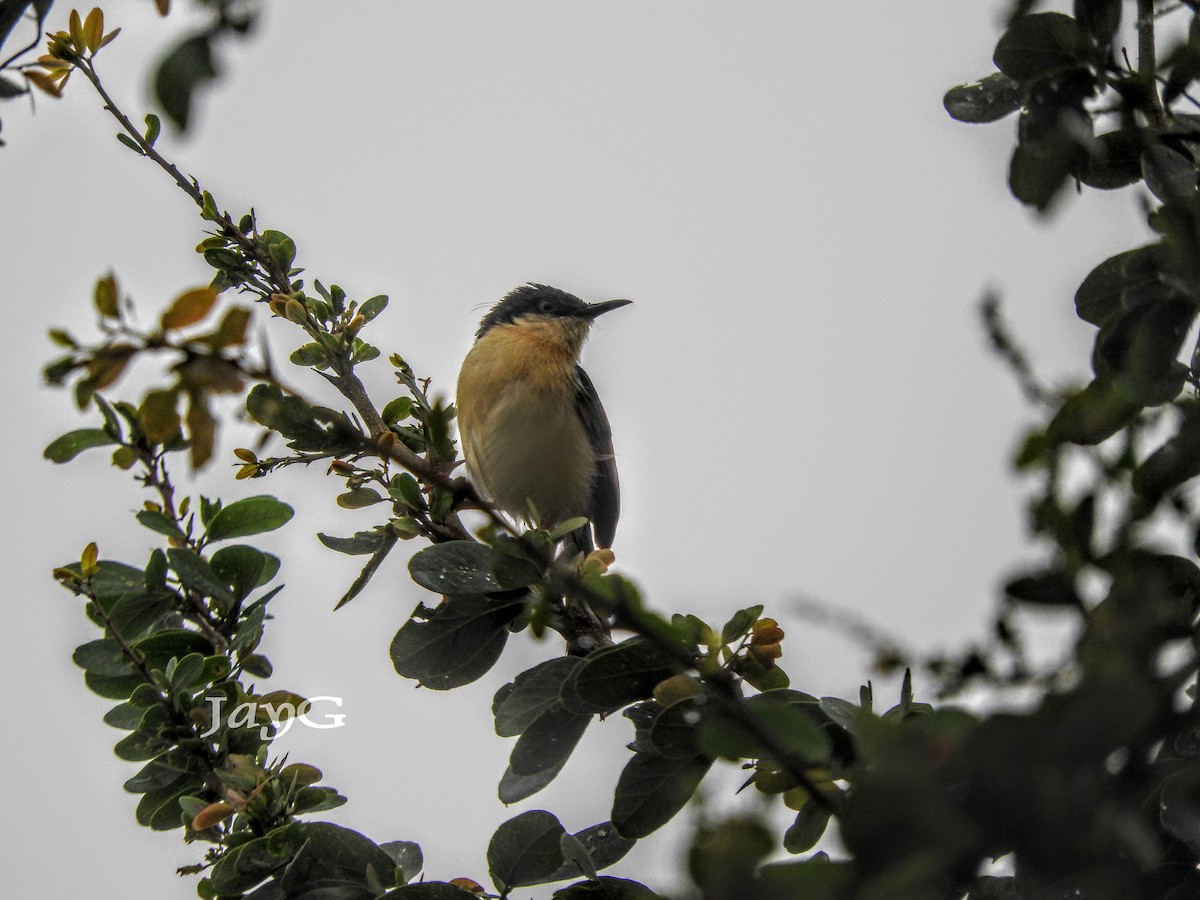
x=592 y=310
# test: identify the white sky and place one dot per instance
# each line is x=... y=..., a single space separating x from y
x=800 y=397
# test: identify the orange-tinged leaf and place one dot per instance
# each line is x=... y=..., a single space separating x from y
x=246 y=456
x=163 y=6
x=105 y=296
x=213 y=814
x=53 y=63
x=109 y=364
x=301 y=773
x=87 y=559
x=202 y=431
x=189 y=308
x=158 y=415
x=108 y=38
x=467 y=885
x=232 y=330
x=75 y=25
x=93 y=28
x=43 y=82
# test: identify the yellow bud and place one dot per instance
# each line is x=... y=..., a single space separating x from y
x=354 y=326
x=295 y=312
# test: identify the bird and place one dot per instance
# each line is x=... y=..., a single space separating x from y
x=534 y=434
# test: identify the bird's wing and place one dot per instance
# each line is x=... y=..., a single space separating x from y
x=605 y=506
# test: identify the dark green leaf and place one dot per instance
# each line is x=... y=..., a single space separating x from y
x=1173 y=463
x=783 y=724
x=160 y=523
x=987 y=100
x=159 y=808
x=1051 y=587
x=1099 y=18
x=603 y=845
x=125 y=716
x=307 y=428
x=1100 y=296
x=1036 y=177
x=652 y=789
x=1092 y=415
x=524 y=850
x=362 y=542
x=134 y=614
x=454 y=568
x=619 y=675
x=406 y=855
x=196 y=574
x=281 y=248
x=182 y=71
x=460 y=641
x=607 y=888
x=1039 y=45
x=243 y=867
x=103 y=657
x=808 y=828
x=140 y=746
x=73 y=443
x=548 y=742
x=531 y=694
x=674 y=730
x=130 y=143
x=242 y=568
x=368 y=571
x=252 y=515
x=1113 y=160
x=397 y=410
x=1138 y=350
x=161 y=646
x=1170 y=176
x=515 y=788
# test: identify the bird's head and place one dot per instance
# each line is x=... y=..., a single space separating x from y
x=543 y=304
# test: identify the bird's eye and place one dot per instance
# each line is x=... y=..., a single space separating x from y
x=546 y=306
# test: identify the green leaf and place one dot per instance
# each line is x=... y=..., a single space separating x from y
x=785 y=723
x=607 y=888
x=359 y=544
x=405 y=489
x=808 y=828
x=252 y=515
x=125 y=716
x=1138 y=350
x=1113 y=160
x=673 y=731
x=112 y=687
x=454 y=568
x=740 y=623
x=373 y=307
x=308 y=355
x=514 y=788
x=459 y=642
x=1099 y=298
x=359 y=498
x=1176 y=461
x=180 y=74
x=1049 y=587
x=281 y=248
x=1100 y=18
x=130 y=143
x=160 y=523
x=1171 y=176
x=604 y=847
x=397 y=410
x=406 y=855
x=245 y=866
x=987 y=100
x=524 y=850
x=134 y=614
x=103 y=657
x=307 y=428
x=616 y=676
x=548 y=742
x=176 y=643
x=368 y=571
x=532 y=694
x=652 y=789
x=1039 y=45
x=1036 y=177
x=159 y=808
x=153 y=128
x=1092 y=415
x=195 y=573
x=140 y=746
x=242 y=568
x=71 y=444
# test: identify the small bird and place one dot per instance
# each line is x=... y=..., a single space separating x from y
x=532 y=427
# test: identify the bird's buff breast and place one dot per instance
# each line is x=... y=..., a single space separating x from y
x=521 y=434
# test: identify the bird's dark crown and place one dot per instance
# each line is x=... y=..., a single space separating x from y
x=531 y=299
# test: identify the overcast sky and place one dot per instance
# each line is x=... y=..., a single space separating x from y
x=800 y=395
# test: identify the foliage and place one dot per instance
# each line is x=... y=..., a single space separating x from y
x=1091 y=790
